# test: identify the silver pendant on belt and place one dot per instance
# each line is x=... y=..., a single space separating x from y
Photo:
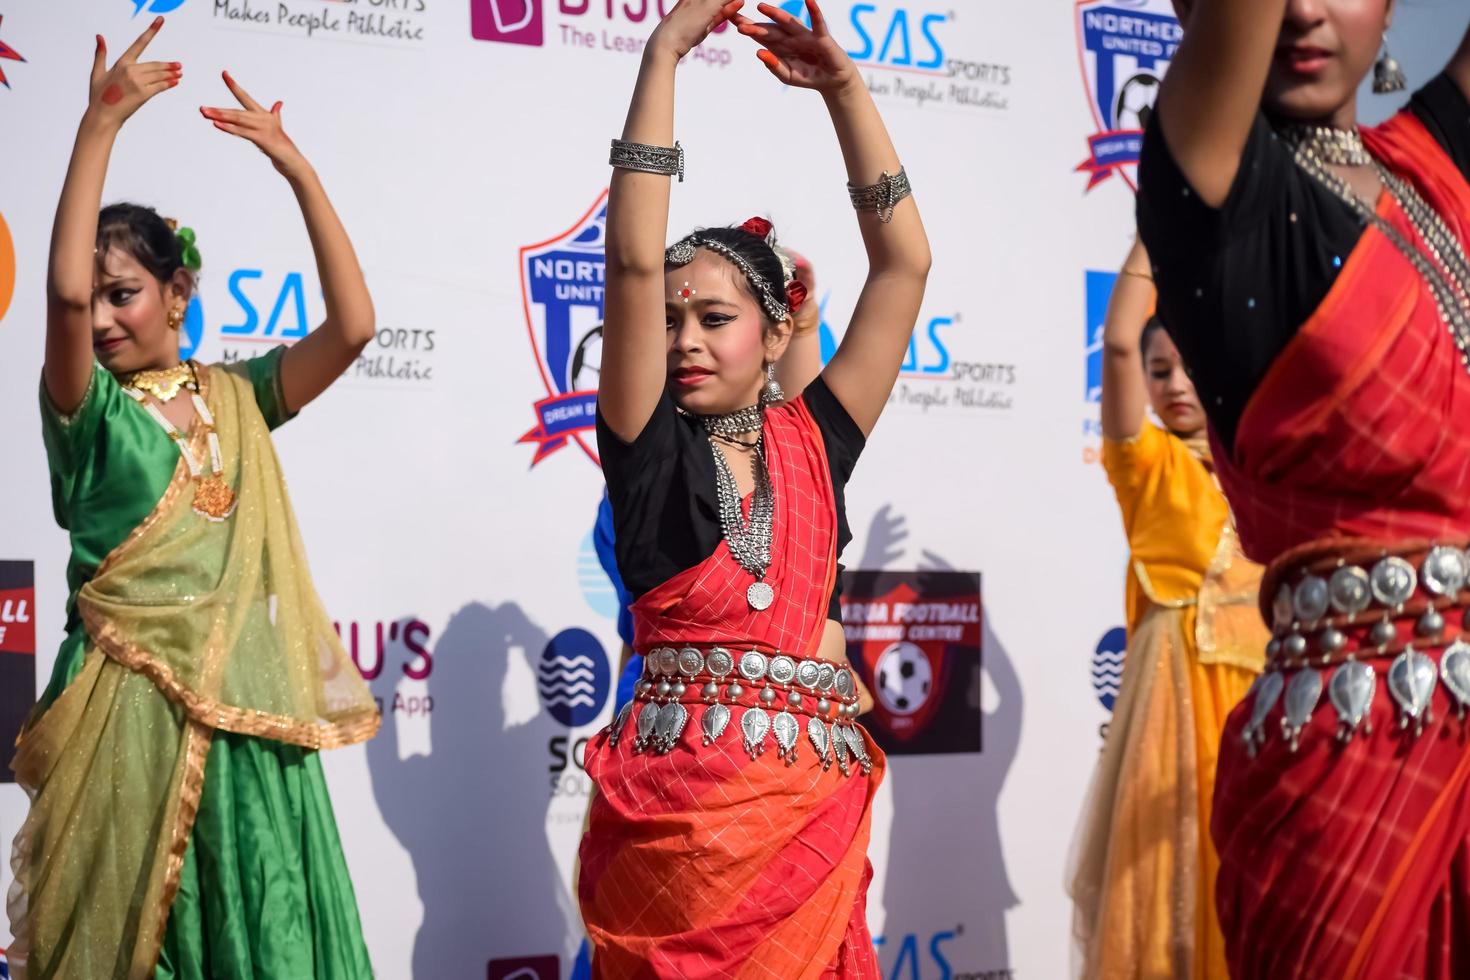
x=647 y=721
x=670 y=725
x=787 y=732
x=755 y=724
x=1454 y=670
x=839 y=749
x=816 y=730
x=716 y=720
x=1351 y=693
x=1411 y=680
x=858 y=746
x=616 y=731
x=1302 y=695
x=1268 y=692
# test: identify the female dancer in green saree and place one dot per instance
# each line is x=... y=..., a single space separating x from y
x=180 y=825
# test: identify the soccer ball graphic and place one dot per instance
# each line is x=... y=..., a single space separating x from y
x=904 y=678
x=1136 y=102
x=587 y=361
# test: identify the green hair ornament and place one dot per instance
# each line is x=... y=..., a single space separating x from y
x=188 y=251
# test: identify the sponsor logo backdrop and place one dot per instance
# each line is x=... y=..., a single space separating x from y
x=447 y=485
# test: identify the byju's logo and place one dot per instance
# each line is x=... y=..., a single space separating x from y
x=561 y=293
x=1107 y=666
x=574 y=677
x=156 y=6
x=1125 y=47
x=508 y=21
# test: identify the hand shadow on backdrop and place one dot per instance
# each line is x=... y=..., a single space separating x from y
x=916 y=870
x=472 y=813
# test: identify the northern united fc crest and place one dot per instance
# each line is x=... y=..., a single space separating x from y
x=561 y=292
x=1125 y=47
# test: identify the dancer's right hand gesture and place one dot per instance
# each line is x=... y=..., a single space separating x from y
x=690 y=22
x=119 y=91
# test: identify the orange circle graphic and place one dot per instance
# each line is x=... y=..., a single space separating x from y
x=7 y=267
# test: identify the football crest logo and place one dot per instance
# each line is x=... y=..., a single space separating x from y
x=1125 y=47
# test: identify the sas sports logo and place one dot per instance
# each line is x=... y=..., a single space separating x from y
x=7 y=53
x=1107 y=666
x=574 y=678
x=1125 y=47
x=156 y=6
x=561 y=293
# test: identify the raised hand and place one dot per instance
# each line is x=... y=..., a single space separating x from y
x=118 y=92
x=260 y=126
x=690 y=22
x=797 y=55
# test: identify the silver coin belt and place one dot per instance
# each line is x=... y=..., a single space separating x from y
x=774 y=692
x=1337 y=614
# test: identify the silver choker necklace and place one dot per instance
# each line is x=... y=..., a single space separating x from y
x=741 y=422
x=749 y=540
x=1338 y=147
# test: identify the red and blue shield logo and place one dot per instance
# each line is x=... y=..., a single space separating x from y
x=1124 y=48
x=561 y=291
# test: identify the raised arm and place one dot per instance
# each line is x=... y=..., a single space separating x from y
x=633 y=342
x=1212 y=92
x=1124 y=395
x=867 y=363
x=320 y=358
x=115 y=94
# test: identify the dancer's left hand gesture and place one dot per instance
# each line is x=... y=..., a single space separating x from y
x=260 y=126
x=805 y=58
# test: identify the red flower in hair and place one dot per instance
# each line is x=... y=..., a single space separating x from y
x=795 y=294
x=759 y=227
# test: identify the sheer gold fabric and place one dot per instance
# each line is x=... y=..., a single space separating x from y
x=193 y=625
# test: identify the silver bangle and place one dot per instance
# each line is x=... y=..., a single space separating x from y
x=883 y=196
x=648 y=159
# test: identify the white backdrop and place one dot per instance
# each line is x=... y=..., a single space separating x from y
x=451 y=562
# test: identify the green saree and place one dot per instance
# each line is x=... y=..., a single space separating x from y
x=180 y=825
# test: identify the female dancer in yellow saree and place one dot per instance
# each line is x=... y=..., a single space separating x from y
x=1145 y=869
x=180 y=825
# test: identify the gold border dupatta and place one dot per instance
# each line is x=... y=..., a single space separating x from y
x=192 y=626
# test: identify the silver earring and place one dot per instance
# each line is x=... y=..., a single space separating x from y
x=1388 y=74
x=771 y=393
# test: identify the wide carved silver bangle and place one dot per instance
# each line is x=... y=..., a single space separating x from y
x=648 y=159
x=883 y=196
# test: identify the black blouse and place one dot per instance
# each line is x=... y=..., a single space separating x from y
x=1237 y=282
x=666 y=514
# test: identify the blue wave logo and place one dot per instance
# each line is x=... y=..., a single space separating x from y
x=574 y=677
x=1107 y=666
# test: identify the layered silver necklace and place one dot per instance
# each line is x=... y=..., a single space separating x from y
x=1438 y=257
x=749 y=539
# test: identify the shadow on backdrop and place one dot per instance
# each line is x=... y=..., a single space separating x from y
x=472 y=813
x=974 y=883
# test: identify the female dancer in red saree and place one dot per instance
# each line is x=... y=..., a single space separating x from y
x=729 y=833
x=1315 y=280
